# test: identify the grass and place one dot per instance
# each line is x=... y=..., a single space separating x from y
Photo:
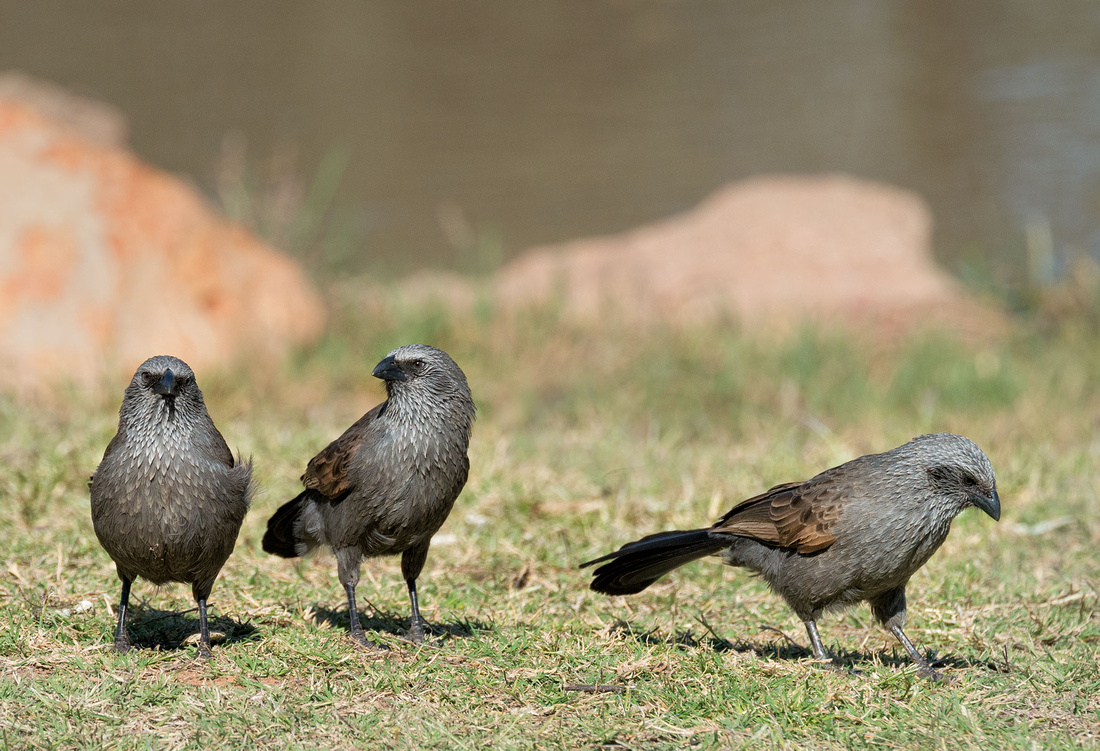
x=585 y=439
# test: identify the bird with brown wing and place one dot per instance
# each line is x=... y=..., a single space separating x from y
x=387 y=484
x=853 y=533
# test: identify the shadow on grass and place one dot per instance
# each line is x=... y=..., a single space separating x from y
x=391 y=623
x=166 y=630
x=792 y=650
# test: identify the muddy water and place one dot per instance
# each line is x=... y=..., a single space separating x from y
x=503 y=124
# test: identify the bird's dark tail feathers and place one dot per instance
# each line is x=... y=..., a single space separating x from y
x=636 y=565
x=295 y=528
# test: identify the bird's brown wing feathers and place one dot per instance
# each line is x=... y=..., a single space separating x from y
x=795 y=515
x=327 y=473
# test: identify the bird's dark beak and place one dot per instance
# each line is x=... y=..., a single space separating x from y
x=388 y=370
x=990 y=504
x=167 y=385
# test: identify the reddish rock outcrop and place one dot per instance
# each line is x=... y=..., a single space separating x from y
x=105 y=261
x=771 y=250
x=97 y=121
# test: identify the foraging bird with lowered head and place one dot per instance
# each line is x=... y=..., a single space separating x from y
x=387 y=484
x=853 y=533
x=168 y=498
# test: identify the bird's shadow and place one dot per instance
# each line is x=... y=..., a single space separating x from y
x=380 y=621
x=785 y=648
x=173 y=630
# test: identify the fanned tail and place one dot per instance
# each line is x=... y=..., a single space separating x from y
x=636 y=565
x=294 y=529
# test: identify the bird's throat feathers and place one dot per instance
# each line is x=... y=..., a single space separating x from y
x=413 y=413
x=158 y=422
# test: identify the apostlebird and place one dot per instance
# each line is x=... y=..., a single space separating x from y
x=168 y=498
x=852 y=533
x=387 y=484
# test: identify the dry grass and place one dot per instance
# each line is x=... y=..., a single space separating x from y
x=585 y=439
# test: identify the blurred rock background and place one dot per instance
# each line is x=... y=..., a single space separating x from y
x=217 y=180
x=104 y=259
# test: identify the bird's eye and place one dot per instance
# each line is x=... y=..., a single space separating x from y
x=148 y=378
x=418 y=365
x=184 y=382
x=969 y=481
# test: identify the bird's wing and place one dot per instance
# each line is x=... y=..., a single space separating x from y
x=795 y=515
x=114 y=445
x=209 y=443
x=116 y=442
x=220 y=448
x=327 y=473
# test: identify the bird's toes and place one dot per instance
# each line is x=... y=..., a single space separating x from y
x=926 y=671
x=360 y=638
x=202 y=651
x=929 y=673
x=834 y=667
x=416 y=633
x=122 y=646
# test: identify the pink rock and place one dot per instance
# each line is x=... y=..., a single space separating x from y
x=97 y=121
x=768 y=250
x=105 y=261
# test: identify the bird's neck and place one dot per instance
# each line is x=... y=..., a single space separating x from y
x=429 y=415
x=166 y=420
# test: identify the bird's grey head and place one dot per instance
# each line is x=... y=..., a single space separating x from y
x=163 y=387
x=960 y=470
x=417 y=369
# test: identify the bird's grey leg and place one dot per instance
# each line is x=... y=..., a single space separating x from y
x=200 y=590
x=355 y=626
x=819 y=649
x=889 y=609
x=416 y=623
x=412 y=561
x=204 y=631
x=347 y=566
x=122 y=640
x=815 y=641
x=924 y=668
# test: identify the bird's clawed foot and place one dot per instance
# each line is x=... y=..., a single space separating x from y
x=835 y=667
x=359 y=636
x=929 y=673
x=417 y=631
x=202 y=651
x=122 y=643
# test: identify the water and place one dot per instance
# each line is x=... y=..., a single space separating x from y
x=485 y=127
